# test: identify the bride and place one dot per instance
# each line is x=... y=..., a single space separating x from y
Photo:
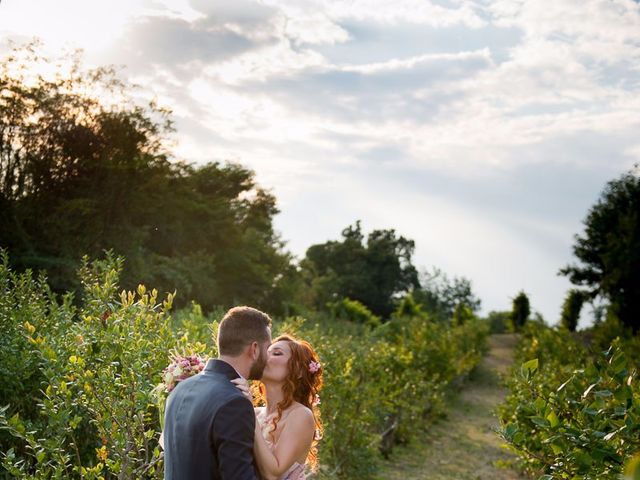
x=288 y=427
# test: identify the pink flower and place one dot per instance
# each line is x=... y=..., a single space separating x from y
x=316 y=400
x=314 y=367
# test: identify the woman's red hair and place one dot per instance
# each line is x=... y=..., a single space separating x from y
x=301 y=385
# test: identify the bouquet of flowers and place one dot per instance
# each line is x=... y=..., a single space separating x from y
x=180 y=369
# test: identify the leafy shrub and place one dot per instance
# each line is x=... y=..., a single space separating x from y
x=602 y=335
x=86 y=404
x=408 y=307
x=520 y=311
x=95 y=413
x=571 y=308
x=355 y=311
x=384 y=385
x=570 y=414
x=499 y=322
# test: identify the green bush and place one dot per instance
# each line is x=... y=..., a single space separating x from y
x=571 y=308
x=354 y=311
x=570 y=414
x=408 y=307
x=384 y=385
x=602 y=335
x=93 y=413
x=520 y=311
x=80 y=399
x=499 y=322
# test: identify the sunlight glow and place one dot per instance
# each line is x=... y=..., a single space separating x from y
x=89 y=25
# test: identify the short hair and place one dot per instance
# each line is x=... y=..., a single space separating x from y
x=240 y=327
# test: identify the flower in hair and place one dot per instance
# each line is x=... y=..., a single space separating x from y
x=316 y=400
x=314 y=367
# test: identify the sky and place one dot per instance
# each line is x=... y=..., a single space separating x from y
x=483 y=130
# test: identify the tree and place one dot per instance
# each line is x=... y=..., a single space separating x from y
x=498 y=321
x=609 y=250
x=407 y=307
x=440 y=296
x=461 y=314
x=85 y=168
x=520 y=310
x=374 y=273
x=571 y=308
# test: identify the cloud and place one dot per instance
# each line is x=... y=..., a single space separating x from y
x=483 y=130
x=399 y=12
x=244 y=14
x=173 y=42
x=460 y=111
x=380 y=93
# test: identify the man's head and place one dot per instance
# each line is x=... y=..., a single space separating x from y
x=244 y=335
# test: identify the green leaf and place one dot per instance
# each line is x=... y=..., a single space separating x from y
x=75 y=421
x=603 y=394
x=618 y=363
x=632 y=468
x=553 y=419
x=588 y=390
x=623 y=393
x=17 y=424
x=530 y=367
x=561 y=387
x=541 y=422
x=584 y=459
x=509 y=431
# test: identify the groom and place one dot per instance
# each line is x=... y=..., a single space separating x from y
x=209 y=424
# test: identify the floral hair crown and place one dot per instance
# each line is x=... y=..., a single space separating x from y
x=314 y=366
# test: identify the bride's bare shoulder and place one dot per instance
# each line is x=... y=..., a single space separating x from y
x=300 y=413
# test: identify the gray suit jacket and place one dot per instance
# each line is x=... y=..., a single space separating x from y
x=209 y=428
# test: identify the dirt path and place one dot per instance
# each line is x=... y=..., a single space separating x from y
x=464 y=446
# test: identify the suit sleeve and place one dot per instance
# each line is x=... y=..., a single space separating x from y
x=233 y=430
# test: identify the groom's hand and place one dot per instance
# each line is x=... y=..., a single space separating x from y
x=243 y=386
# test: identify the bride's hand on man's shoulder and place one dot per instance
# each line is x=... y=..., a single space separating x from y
x=243 y=386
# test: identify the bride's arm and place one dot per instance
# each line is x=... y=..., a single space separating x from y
x=294 y=442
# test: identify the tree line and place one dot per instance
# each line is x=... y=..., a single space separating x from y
x=85 y=168
x=83 y=173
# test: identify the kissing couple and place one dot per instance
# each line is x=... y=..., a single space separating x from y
x=213 y=431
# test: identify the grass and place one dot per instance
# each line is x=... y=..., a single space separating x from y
x=464 y=445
